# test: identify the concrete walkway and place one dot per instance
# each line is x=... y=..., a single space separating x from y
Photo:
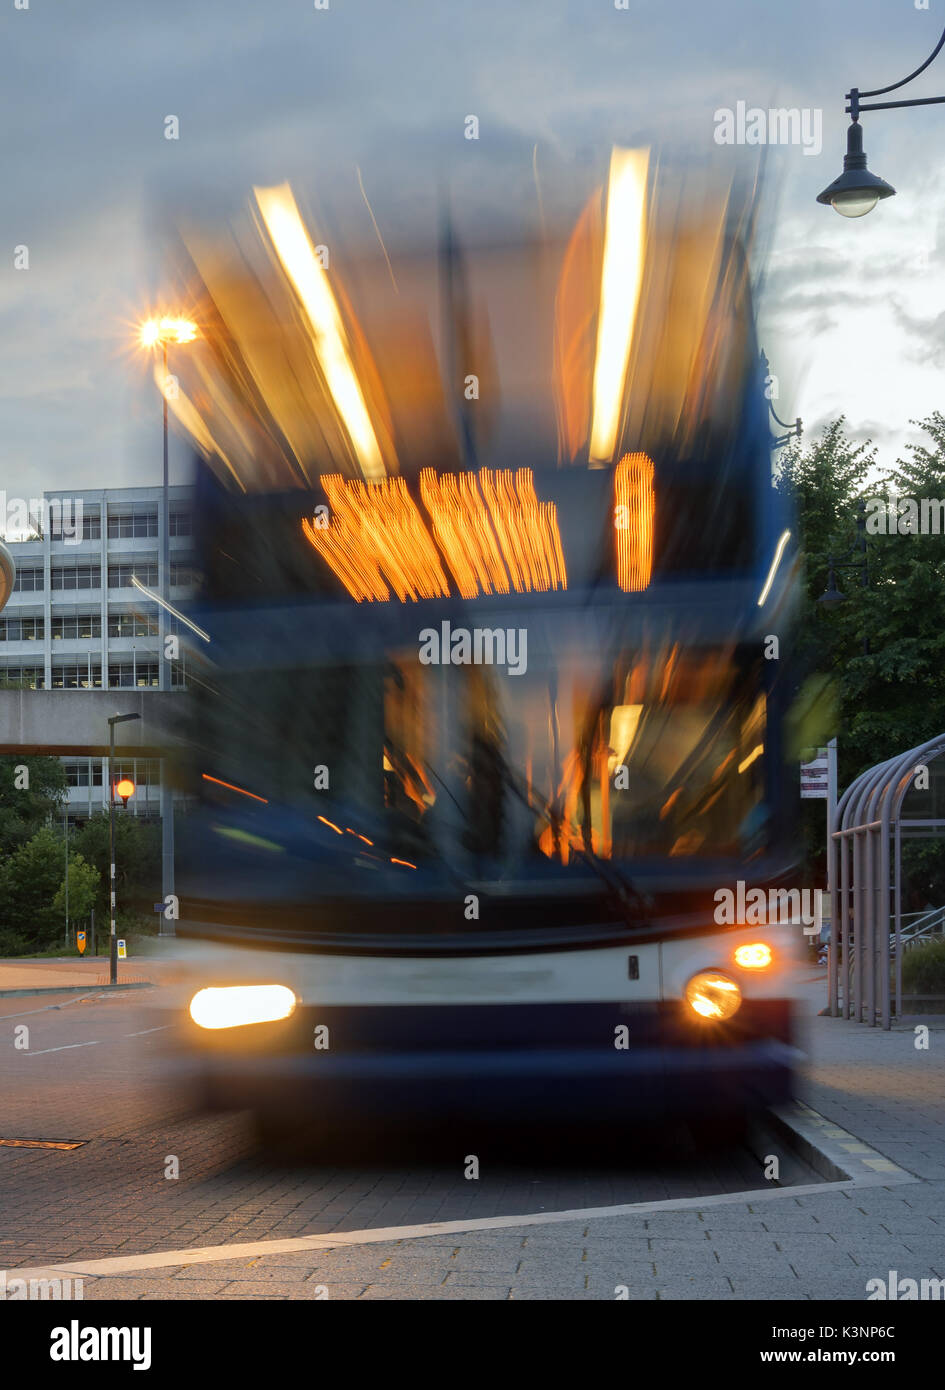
x=883 y=1099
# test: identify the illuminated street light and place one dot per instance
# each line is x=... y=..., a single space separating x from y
x=125 y=788
x=165 y=330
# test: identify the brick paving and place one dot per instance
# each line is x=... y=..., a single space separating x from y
x=879 y=1086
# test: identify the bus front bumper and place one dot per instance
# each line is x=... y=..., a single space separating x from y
x=543 y=1059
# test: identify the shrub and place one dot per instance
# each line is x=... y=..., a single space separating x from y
x=923 y=969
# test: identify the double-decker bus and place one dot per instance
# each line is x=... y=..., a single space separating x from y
x=479 y=750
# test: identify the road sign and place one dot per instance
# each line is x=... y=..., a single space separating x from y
x=122 y=954
x=80 y=941
x=815 y=776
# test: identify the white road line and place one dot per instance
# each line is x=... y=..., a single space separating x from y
x=65 y=1048
x=210 y=1254
x=163 y=1028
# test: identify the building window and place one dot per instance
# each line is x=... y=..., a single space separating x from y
x=180 y=524
x=75 y=577
x=77 y=675
x=144 y=772
x=119 y=576
x=76 y=625
x=130 y=674
x=132 y=625
x=132 y=523
x=21 y=629
x=182 y=576
x=28 y=581
x=31 y=676
x=67 y=511
x=81 y=775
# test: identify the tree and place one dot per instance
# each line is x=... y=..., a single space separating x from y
x=29 y=880
x=83 y=884
x=137 y=860
x=31 y=790
x=891 y=696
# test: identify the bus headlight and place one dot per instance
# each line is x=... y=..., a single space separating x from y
x=712 y=995
x=757 y=955
x=235 y=1005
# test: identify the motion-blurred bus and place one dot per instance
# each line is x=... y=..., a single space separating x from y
x=485 y=722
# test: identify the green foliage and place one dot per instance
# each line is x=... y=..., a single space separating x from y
x=137 y=860
x=29 y=880
x=83 y=882
x=923 y=969
x=882 y=650
x=24 y=809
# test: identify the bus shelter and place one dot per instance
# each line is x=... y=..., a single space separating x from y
x=865 y=881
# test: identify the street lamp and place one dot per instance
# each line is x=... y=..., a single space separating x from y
x=857 y=191
x=832 y=597
x=154 y=332
x=124 y=788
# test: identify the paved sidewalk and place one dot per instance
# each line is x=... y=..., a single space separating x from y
x=29 y=976
x=785 y=1244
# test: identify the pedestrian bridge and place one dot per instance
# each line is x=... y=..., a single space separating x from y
x=57 y=722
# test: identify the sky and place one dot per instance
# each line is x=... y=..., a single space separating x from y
x=853 y=312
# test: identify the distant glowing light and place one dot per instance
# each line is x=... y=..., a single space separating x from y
x=779 y=551
x=294 y=248
x=406 y=863
x=167 y=329
x=331 y=825
x=621 y=278
x=633 y=515
x=125 y=788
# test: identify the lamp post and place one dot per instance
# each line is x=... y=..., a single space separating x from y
x=154 y=333
x=832 y=597
x=125 y=788
x=857 y=191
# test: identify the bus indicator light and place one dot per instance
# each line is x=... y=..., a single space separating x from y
x=755 y=956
